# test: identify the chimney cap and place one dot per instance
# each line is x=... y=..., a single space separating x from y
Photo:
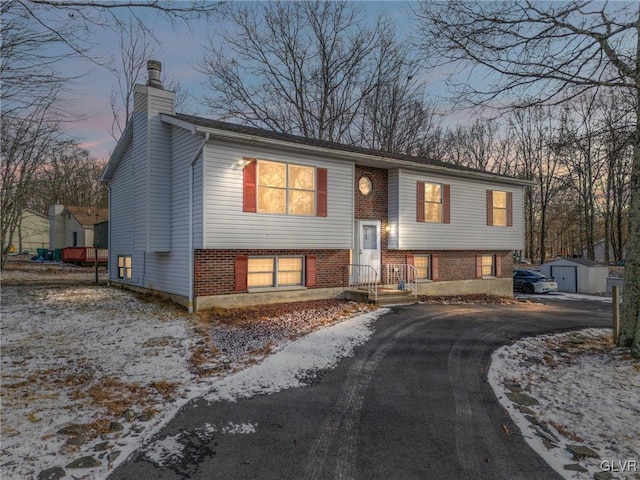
x=154 y=67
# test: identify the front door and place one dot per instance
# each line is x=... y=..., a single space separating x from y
x=367 y=245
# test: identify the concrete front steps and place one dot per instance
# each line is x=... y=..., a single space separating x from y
x=386 y=296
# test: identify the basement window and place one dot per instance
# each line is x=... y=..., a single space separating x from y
x=124 y=266
x=264 y=272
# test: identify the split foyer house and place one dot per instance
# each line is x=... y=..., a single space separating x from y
x=213 y=213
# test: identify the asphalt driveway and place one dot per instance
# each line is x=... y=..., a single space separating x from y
x=413 y=403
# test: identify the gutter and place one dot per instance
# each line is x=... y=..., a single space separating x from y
x=191 y=171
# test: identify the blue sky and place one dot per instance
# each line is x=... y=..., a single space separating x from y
x=179 y=51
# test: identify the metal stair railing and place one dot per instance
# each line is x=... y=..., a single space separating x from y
x=364 y=277
x=403 y=274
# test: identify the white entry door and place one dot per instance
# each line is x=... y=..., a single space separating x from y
x=367 y=248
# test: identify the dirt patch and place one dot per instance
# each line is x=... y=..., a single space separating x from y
x=478 y=299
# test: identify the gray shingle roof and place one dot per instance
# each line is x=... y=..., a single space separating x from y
x=247 y=130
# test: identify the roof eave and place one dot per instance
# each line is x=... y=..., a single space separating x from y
x=118 y=152
x=355 y=156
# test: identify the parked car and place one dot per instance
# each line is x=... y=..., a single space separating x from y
x=531 y=281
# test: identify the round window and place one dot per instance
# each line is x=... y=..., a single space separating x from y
x=365 y=186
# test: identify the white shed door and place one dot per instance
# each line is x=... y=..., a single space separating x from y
x=565 y=278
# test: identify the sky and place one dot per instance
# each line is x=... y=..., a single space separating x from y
x=179 y=51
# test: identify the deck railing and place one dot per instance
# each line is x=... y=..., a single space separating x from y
x=364 y=277
x=403 y=275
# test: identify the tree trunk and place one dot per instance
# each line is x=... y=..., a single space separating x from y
x=630 y=322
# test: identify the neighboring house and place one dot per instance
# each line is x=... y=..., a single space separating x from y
x=212 y=213
x=73 y=226
x=31 y=233
x=599 y=251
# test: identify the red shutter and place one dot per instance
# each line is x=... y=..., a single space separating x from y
x=489 y=207
x=409 y=261
x=312 y=271
x=249 y=186
x=241 y=273
x=509 y=209
x=435 y=268
x=478 y=266
x=446 y=203
x=498 y=265
x=420 y=201
x=322 y=192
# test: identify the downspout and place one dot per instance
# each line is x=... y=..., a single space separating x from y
x=191 y=171
x=109 y=262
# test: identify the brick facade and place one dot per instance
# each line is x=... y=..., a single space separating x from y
x=214 y=269
x=454 y=264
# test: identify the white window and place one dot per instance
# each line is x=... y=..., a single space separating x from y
x=286 y=188
x=124 y=266
x=433 y=202
x=275 y=272
x=422 y=264
x=499 y=208
x=488 y=266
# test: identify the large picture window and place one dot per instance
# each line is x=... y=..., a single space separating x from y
x=274 y=272
x=286 y=188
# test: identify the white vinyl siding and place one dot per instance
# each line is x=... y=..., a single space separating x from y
x=227 y=226
x=131 y=191
x=394 y=209
x=152 y=141
x=122 y=211
x=468 y=229
x=197 y=203
x=168 y=271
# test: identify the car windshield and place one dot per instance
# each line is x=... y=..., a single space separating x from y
x=529 y=273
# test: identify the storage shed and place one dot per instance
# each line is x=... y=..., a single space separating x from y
x=577 y=275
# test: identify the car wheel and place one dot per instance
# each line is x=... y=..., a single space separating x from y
x=528 y=288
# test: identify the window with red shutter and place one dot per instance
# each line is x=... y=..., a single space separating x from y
x=312 y=271
x=446 y=203
x=322 y=192
x=249 y=186
x=435 y=268
x=420 y=202
x=241 y=272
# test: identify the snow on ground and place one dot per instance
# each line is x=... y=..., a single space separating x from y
x=91 y=371
x=588 y=394
x=564 y=296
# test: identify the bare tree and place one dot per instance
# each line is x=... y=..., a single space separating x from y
x=305 y=68
x=128 y=68
x=536 y=158
x=483 y=145
x=26 y=143
x=551 y=52
x=37 y=35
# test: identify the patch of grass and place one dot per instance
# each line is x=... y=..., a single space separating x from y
x=165 y=388
x=33 y=418
x=562 y=430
